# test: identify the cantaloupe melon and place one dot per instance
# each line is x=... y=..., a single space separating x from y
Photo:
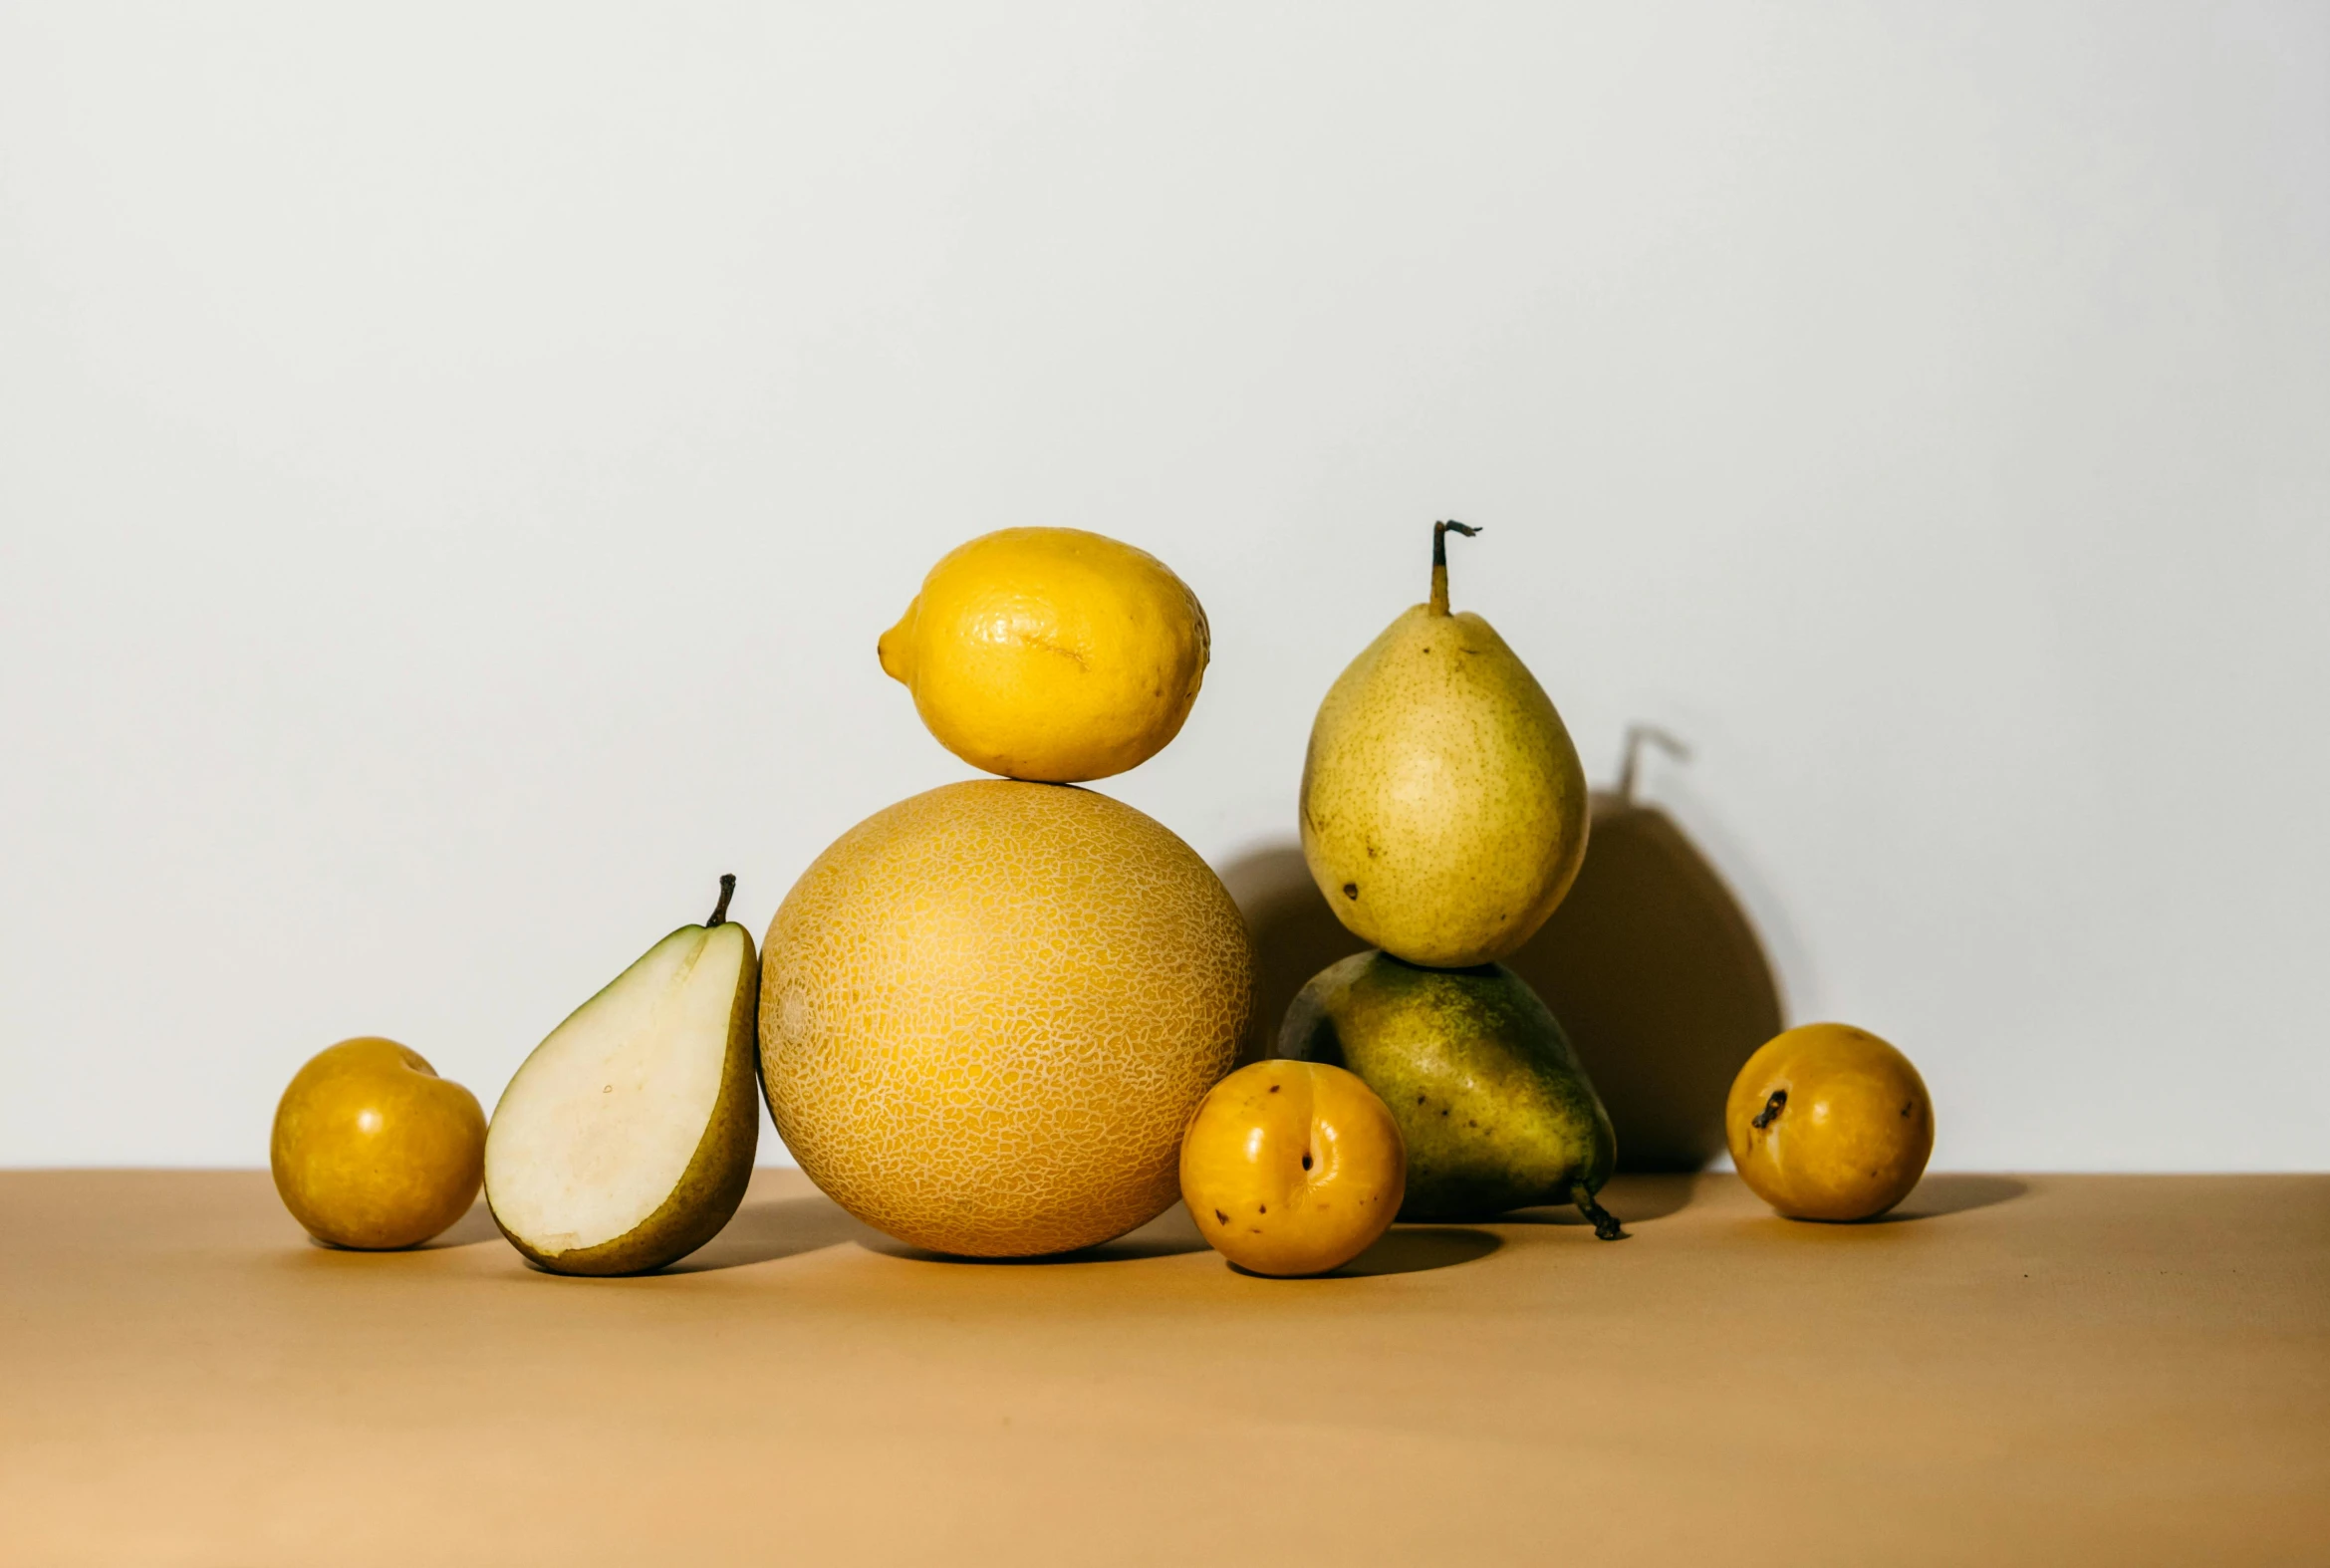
x=989 y=1011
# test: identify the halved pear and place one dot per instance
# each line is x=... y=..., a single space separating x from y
x=626 y=1139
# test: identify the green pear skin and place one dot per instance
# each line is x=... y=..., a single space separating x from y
x=1443 y=808
x=1495 y=1110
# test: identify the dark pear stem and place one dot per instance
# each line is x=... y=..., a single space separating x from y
x=1439 y=604
x=1771 y=1110
x=1606 y=1225
x=720 y=909
x=1635 y=735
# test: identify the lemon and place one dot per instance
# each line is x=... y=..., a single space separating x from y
x=1051 y=654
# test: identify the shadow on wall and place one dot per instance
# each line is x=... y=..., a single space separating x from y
x=1295 y=935
x=1650 y=963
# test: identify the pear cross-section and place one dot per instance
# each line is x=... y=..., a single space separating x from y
x=626 y=1140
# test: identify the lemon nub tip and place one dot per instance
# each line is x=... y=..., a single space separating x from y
x=894 y=649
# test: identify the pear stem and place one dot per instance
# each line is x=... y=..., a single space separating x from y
x=1635 y=735
x=1771 y=1110
x=1439 y=604
x=720 y=909
x=1606 y=1225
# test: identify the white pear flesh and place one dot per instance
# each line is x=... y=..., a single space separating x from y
x=624 y=1105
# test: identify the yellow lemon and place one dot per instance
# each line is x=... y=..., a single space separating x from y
x=1051 y=654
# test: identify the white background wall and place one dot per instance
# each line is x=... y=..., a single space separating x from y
x=454 y=462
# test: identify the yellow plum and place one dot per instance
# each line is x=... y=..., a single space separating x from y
x=1828 y=1122
x=373 y=1149
x=1292 y=1168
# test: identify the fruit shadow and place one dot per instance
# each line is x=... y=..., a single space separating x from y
x=1951 y=1194
x=773 y=1228
x=1410 y=1249
x=1168 y=1235
x=1415 y=1249
x=1635 y=1199
x=1660 y=981
x=468 y=1231
x=1295 y=935
x=1650 y=964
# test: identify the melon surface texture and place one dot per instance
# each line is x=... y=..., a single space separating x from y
x=989 y=1011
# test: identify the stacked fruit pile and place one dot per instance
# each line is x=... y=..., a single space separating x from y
x=1444 y=816
x=989 y=1011
x=995 y=1019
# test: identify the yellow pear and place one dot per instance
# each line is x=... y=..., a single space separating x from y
x=1443 y=809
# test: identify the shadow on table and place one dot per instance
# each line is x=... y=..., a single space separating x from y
x=1408 y=1250
x=1412 y=1250
x=475 y=1226
x=1633 y=1199
x=773 y=1228
x=471 y=1228
x=1953 y=1194
x=1169 y=1235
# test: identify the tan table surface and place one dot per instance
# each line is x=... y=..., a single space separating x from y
x=2042 y=1368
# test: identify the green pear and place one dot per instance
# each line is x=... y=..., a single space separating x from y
x=626 y=1139
x=1443 y=808
x=1490 y=1099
